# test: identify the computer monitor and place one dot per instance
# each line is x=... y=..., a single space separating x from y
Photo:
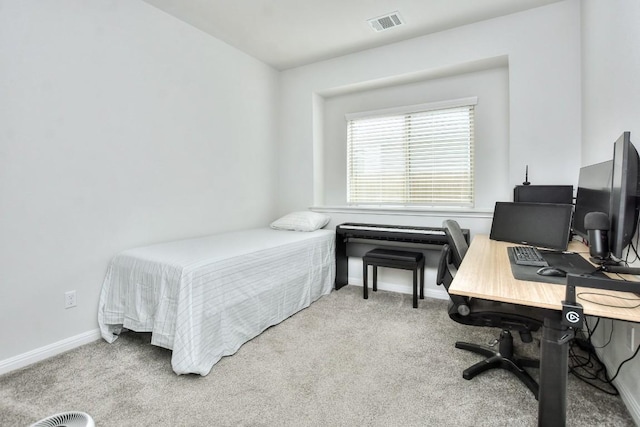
x=544 y=225
x=623 y=212
x=593 y=195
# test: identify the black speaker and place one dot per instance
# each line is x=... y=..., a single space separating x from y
x=597 y=226
x=543 y=194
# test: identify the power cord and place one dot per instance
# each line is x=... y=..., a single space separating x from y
x=585 y=365
x=582 y=295
x=635 y=353
x=589 y=369
x=633 y=246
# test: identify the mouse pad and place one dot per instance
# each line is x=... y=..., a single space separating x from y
x=569 y=262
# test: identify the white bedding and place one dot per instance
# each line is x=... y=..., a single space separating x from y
x=203 y=298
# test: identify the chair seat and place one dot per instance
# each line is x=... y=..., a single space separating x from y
x=392 y=254
x=494 y=313
x=392 y=258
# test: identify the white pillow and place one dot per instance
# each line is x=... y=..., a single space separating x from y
x=301 y=221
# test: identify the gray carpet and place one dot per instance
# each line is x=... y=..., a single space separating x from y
x=343 y=361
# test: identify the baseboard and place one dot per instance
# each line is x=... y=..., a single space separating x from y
x=33 y=356
x=629 y=399
x=393 y=287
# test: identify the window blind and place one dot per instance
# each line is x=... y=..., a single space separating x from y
x=421 y=158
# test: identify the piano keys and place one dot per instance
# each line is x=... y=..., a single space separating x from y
x=348 y=233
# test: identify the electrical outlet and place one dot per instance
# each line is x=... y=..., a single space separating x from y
x=69 y=299
x=631 y=336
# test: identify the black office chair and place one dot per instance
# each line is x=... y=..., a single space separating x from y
x=479 y=312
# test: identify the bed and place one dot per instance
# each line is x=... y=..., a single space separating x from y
x=203 y=298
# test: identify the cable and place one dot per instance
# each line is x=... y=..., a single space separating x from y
x=635 y=251
x=634 y=247
x=635 y=353
x=589 y=369
x=582 y=294
x=591 y=331
x=594 y=329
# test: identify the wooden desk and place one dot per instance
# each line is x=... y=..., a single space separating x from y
x=486 y=273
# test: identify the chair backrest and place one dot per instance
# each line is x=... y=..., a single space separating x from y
x=443 y=274
x=456 y=241
x=459 y=305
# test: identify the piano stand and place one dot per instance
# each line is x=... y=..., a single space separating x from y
x=398 y=236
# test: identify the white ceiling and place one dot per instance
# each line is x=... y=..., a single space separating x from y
x=290 y=33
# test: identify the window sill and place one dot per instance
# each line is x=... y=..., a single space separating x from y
x=408 y=211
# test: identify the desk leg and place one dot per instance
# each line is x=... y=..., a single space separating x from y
x=342 y=263
x=552 y=399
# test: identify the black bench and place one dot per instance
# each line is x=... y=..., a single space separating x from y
x=392 y=258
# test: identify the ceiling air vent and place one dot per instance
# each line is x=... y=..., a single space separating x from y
x=385 y=22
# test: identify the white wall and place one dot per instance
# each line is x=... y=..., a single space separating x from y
x=543 y=50
x=611 y=65
x=611 y=105
x=121 y=126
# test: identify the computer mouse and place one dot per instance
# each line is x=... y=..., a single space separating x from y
x=551 y=271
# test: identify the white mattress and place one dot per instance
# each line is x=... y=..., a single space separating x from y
x=203 y=298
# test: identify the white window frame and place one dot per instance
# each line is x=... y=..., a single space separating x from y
x=395 y=166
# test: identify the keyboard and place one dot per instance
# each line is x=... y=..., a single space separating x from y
x=528 y=255
x=432 y=232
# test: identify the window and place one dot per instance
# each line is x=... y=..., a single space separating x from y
x=414 y=156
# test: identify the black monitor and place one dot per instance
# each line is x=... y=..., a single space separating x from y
x=593 y=195
x=623 y=212
x=545 y=225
